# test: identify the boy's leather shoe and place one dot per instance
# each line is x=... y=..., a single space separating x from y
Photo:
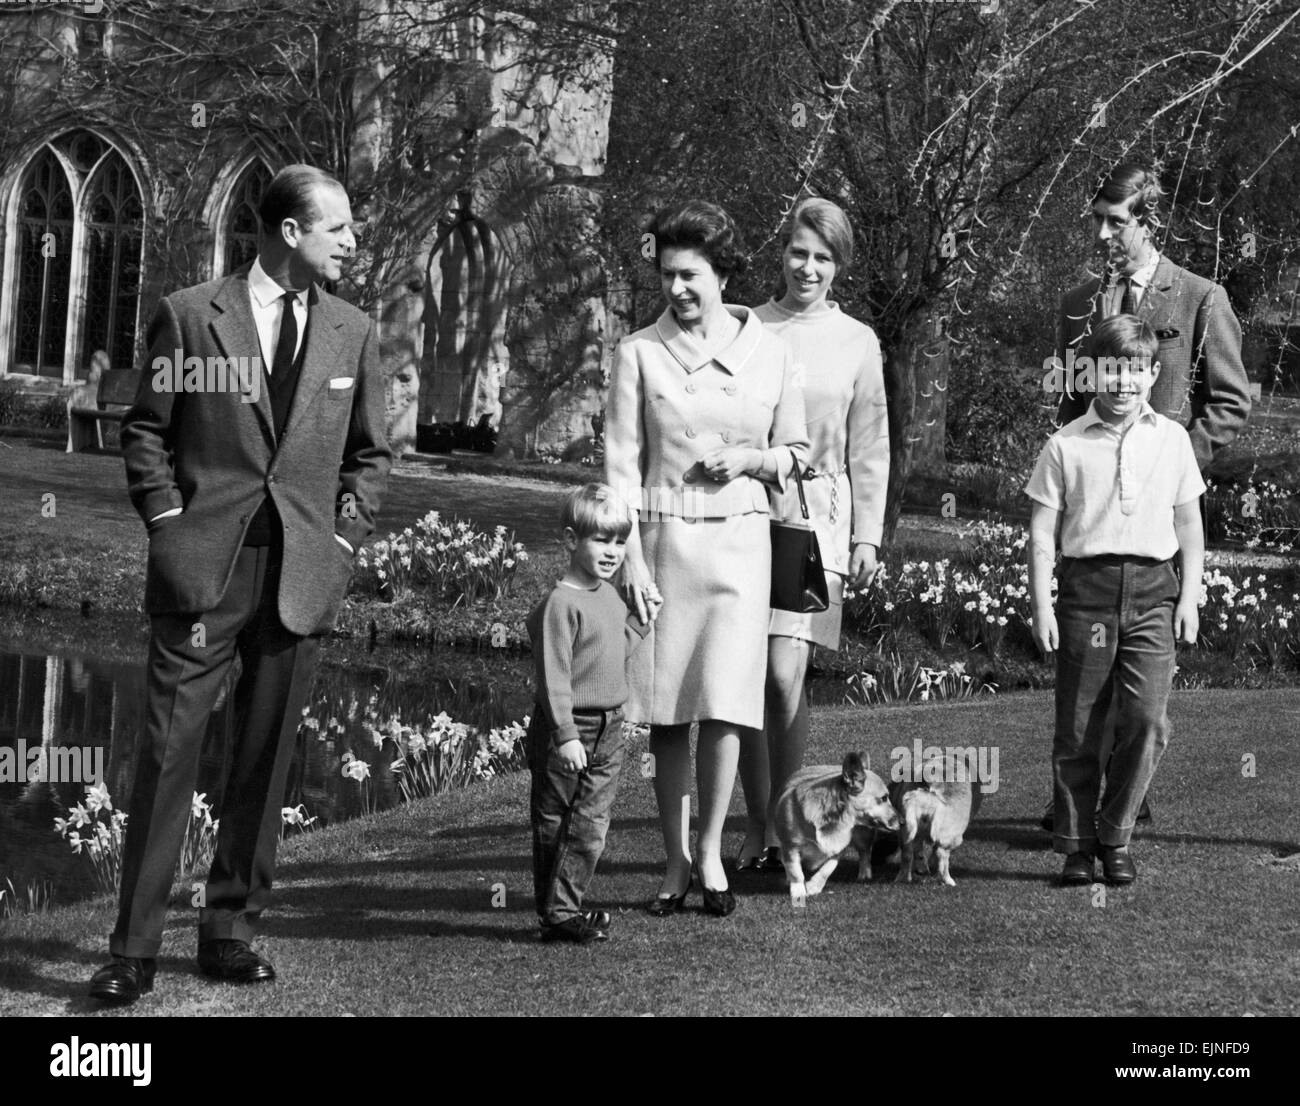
x=123 y=980
x=1078 y=870
x=1117 y=864
x=576 y=931
x=234 y=962
x=600 y=919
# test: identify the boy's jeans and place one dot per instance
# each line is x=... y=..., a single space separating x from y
x=570 y=812
x=1115 y=616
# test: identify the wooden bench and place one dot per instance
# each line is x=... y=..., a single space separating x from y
x=113 y=395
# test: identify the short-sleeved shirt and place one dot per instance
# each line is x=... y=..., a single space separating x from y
x=1117 y=489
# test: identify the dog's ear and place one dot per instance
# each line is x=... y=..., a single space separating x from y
x=852 y=765
x=867 y=762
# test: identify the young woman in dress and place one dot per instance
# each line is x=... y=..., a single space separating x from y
x=844 y=398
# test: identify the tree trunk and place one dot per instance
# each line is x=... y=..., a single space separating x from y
x=916 y=389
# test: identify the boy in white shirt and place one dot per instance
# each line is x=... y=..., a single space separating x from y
x=1123 y=485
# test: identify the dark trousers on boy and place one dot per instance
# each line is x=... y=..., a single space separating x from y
x=1115 y=617
x=570 y=811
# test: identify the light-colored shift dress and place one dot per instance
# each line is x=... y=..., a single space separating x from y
x=707 y=546
x=839 y=365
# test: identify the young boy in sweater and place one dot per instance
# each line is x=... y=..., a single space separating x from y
x=1122 y=484
x=581 y=635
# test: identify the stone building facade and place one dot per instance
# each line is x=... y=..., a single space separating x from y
x=472 y=147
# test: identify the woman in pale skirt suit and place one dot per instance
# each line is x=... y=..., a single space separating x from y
x=703 y=417
x=844 y=396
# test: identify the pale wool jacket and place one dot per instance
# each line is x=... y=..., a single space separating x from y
x=672 y=401
x=848 y=426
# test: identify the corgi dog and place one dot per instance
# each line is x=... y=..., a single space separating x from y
x=820 y=812
x=936 y=815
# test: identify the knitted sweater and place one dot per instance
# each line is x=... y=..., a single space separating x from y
x=581 y=639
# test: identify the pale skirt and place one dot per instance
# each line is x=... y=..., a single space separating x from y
x=820 y=627
x=706 y=654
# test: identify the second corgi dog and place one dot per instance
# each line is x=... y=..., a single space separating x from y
x=821 y=811
x=937 y=816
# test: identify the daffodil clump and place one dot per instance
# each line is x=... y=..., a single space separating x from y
x=451 y=560
x=95 y=830
x=982 y=601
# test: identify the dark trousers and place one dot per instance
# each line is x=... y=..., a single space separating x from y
x=1115 y=616
x=570 y=812
x=186 y=669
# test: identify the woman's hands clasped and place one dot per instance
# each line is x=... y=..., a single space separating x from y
x=725 y=464
x=639 y=590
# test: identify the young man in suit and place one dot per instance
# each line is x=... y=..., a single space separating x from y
x=256 y=487
x=1202 y=384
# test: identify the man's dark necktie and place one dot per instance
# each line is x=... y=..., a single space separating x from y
x=1127 y=304
x=288 y=341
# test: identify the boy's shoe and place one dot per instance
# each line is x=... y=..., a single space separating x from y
x=1078 y=870
x=576 y=931
x=1117 y=864
x=601 y=919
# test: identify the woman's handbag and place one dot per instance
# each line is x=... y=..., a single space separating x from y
x=798 y=579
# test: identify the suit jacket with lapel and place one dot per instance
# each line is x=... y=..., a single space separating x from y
x=214 y=453
x=1202 y=383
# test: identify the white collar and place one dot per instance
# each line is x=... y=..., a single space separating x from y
x=1142 y=278
x=267 y=290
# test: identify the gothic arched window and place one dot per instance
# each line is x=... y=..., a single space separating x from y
x=77 y=193
x=242 y=221
x=45 y=223
x=114 y=228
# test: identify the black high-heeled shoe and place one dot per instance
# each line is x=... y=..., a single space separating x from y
x=663 y=906
x=718 y=903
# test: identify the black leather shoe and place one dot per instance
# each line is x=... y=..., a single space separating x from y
x=598 y=918
x=575 y=931
x=718 y=903
x=749 y=863
x=771 y=860
x=234 y=962
x=1117 y=864
x=1078 y=870
x=123 y=980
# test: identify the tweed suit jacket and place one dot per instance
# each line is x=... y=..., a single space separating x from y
x=215 y=455
x=1202 y=384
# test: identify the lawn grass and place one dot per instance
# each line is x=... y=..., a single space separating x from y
x=394 y=914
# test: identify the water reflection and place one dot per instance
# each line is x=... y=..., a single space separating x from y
x=96 y=703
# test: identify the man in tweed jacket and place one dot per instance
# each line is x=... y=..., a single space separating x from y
x=256 y=486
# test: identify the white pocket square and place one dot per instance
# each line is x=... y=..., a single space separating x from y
x=340 y=382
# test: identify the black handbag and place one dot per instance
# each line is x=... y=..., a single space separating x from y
x=798 y=579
